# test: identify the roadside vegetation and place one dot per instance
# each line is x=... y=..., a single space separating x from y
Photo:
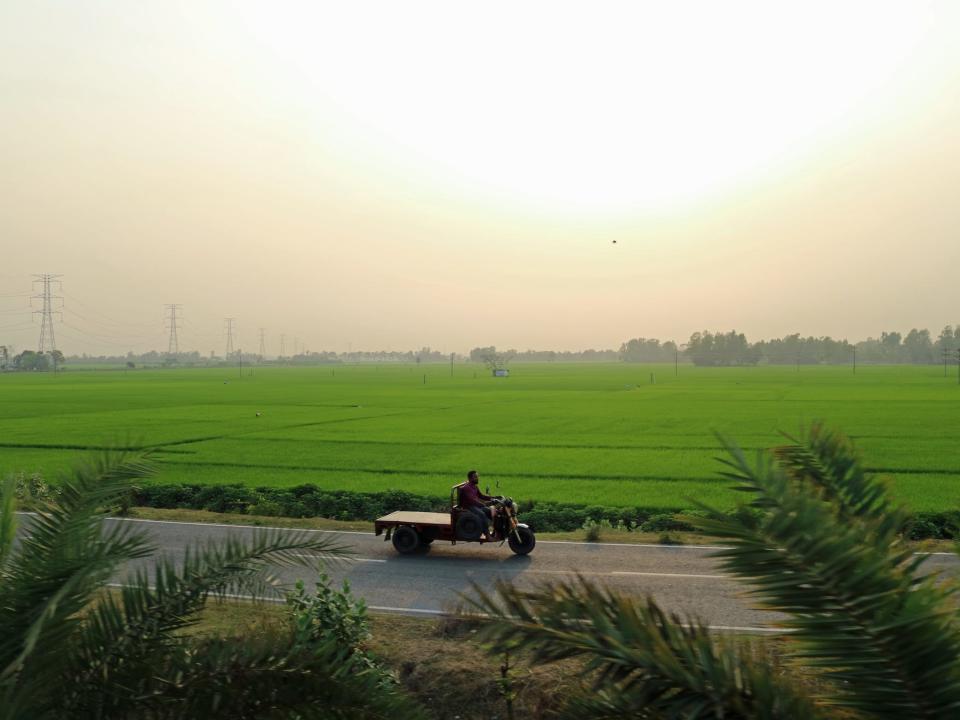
x=68 y=649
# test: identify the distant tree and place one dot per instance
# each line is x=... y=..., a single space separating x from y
x=723 y=349
x=479 y=354
x=794 y=349
x=491 y=358
x=890 y=345
x=947 y=343
x=918 y=346
x=30 y=360
x=647 y=350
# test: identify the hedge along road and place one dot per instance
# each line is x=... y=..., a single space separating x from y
x=682 y=578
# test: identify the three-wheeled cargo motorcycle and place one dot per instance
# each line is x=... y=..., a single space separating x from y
x=412 y=530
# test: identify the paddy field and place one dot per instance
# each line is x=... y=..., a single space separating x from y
x=612 y=434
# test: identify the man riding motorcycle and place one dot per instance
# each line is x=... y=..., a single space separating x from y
x=471 y=499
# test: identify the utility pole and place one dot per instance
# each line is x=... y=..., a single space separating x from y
x=229 y=328
x=946 y=356
x=173 y=323
x=48 y=342
x=263 y=344
x=283 y=344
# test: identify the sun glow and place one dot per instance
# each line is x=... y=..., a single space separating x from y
x=602 y=107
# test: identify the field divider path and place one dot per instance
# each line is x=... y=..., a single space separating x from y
x=447 y=473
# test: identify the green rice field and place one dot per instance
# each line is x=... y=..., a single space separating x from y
x=581 y=433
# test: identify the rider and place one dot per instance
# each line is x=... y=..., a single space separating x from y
x=471 y=499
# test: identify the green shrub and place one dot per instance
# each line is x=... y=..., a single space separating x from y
x=336 y=617
x=330 y=614
x=665 y=523
x=266 y=507
x=312 y=501
x=29 y=491
x=592 y=529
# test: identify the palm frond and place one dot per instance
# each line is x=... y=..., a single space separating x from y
x=237 y=678
x=644 y=661
x=8 y=521
x=121 y=640
x=828 y=460
x=62 y=560
x=825 y=553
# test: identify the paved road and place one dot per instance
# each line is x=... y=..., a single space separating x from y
x=681 y=578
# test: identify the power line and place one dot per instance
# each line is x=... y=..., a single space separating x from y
x=47 y=339
x=102 y=318
x=173 y=323
x=283 y=345
x=229 y=327
x=263 y=346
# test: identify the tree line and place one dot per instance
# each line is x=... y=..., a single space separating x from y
x=733 y=348
x=704 y=348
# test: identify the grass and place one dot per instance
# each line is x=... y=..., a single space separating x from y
x=440 y=663
x=592 y=434
x=436 y=661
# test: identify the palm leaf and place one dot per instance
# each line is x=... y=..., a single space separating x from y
x=62 y=560
x=826 y=554
x=269 y=678
x=120 y=641
x=644 y=661
x=8 y=521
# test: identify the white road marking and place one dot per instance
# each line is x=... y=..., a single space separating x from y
x=659 y=546
x=443 y=613
x=347 y=559
x=677 y=575
x=408 y=611
x=521 y=573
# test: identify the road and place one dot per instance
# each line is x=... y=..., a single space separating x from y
x=683 y=579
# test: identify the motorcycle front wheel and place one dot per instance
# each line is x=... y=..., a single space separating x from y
x=525 y=543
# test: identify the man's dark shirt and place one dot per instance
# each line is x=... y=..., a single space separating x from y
x=470 y=496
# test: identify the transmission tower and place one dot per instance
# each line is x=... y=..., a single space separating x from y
x=263 y=343
x=48 y=342
x=173 y=322
x=283 y=345
x=229 y=325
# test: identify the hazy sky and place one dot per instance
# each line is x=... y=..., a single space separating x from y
x=399 y=174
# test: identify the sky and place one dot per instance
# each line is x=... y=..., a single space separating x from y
x=383 y=175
